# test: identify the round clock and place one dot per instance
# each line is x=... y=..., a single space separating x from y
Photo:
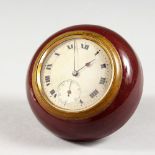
x=84 y=82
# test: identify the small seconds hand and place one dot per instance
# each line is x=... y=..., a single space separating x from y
x=69 y=91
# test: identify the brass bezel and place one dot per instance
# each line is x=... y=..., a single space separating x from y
x=104 y=102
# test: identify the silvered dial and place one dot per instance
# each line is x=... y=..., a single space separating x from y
x=76 y=75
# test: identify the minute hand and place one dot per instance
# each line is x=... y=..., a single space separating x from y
x=74 y=55
x=86 y=65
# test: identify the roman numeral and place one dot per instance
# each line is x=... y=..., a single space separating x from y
x=47 y=79
x=57 y=54
x=84 y=46
x=49 y=66
x=102 y=80
x=55 y=95
x=94 y=93
x=97 y=52
x=81 y=101
x=70 y=46
x=103 y=65
x=52 y=92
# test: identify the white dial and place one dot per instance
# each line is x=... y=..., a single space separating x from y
x=76 y=75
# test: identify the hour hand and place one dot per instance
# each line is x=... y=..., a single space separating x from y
x=86 y=65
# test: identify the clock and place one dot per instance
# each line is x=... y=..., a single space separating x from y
x=84 y=82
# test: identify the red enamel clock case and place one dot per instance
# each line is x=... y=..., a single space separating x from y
x=110 y=119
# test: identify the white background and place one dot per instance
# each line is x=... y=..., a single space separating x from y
x=24 y=25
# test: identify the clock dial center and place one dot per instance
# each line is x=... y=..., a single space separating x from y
x=75 y=73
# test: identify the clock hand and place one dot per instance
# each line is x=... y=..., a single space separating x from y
x=74 y=55
x=74 y=73
x=69 y=90
x=86 y=65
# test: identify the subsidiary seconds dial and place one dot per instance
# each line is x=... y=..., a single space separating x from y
x=76 y=74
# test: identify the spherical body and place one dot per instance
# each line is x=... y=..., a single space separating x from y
x=84 y=82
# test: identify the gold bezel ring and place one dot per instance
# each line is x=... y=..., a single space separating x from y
x=107 y=98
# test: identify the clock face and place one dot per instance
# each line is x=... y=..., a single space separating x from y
x=76 y=75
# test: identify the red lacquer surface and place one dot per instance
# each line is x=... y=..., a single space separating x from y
x=120 y=110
